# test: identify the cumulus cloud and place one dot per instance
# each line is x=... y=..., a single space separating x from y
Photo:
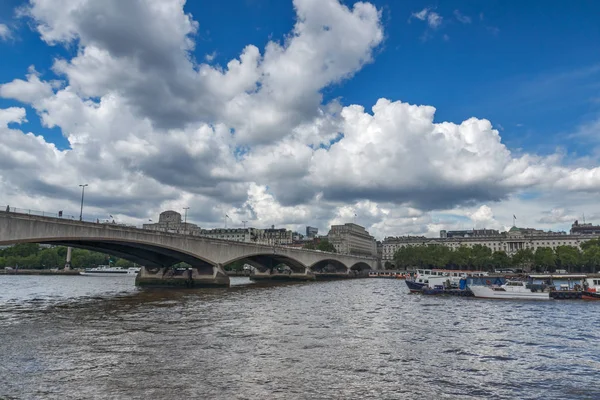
x=151 y=128
x=557 y=215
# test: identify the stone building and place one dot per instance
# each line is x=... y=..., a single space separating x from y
x=170 y=221
x=275 y=236
x=510 y=242
x=352 y=239
x=248 y=235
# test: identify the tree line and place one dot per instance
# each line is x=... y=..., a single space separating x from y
x=33 y=256
x=483 y=258
x=321 y=244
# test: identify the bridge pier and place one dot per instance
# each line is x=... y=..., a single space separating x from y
x=195 y=277
x=271 y=275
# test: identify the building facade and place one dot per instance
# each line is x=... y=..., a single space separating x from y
x=247 y=235
x=510 y=242
x=276 y=236
x=584 y=229
x=352 y=239
x=311 y=232
x=170 y=221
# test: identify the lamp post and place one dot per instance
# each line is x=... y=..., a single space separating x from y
x=185 y=220
x=244 y=222
x=82 y=192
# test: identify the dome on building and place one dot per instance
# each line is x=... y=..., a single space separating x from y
x=514 y=229
x=169 y=217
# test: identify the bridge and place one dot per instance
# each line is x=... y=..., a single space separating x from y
x=157 y=252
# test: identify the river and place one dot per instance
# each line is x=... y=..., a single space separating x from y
x=101 y=338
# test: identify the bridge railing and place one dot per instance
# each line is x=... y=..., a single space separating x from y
x=36 y=212
x=70 y=217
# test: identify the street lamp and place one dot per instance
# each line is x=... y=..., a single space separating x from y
x=244 y=222
x=82 y=192
x=185 y=220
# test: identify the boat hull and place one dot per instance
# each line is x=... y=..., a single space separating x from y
x=415 y=287
x=486 y=292
x=109 y=274
x=590 y=295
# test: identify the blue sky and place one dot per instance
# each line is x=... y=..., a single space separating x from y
x=532 y=68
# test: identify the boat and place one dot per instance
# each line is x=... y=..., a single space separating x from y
x=415 y=287
x=105 y=270
x=587 y=295
x=511 y=290
x=436 y=277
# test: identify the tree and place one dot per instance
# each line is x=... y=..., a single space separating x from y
x=123 y=263
x=500 y=260
x=591 y=257
x=545 y=259
x=461 y=258
x=590 y=243
x=325 y=245
x=524 y=258
x=568 y=257
x=481 y=257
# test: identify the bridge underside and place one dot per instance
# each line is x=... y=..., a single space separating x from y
x=143 y=254
x=330 y=267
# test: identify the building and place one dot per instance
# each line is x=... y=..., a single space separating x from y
x=311 y=232
x=584 y=229
x=248 y=235
x=510 y=242
x=276 y=236
x=352 y=239
x=469 y=233
x=170 y=221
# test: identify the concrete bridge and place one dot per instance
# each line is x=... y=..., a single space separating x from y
x=158 y=251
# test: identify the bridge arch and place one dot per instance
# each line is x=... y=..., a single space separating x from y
x=360 y=266
x=264 y=261
x=329 y=266
x=140 y=252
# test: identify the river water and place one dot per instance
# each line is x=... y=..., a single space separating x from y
x=102 y=338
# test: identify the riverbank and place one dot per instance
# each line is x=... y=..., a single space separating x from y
x=37 y=272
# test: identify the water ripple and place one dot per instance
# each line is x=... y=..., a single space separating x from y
x=79 y=337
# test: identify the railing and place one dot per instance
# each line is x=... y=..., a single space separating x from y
x=104 y=221
x=35 y=212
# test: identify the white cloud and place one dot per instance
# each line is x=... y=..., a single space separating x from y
x=29 y=91
x=150 y=128
x=434 y=20
x=210 y=57
x=465 y=19
x=12 y=115
x=421 y=14
x=5 y=32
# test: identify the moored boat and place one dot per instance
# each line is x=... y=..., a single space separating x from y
x=590 y=295
x=415 y=287
x=511 y=290
x=105 y=270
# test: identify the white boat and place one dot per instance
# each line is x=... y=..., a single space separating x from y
x=105 y=270
x=510 y=290
x=435 y=277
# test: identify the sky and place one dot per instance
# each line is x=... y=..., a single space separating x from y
x=404 y=117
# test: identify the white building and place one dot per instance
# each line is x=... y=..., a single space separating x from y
x=247 y=235
x=276 y=236
x=352 y=239
x=510 y=242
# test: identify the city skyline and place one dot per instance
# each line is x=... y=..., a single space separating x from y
x=403 y=118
